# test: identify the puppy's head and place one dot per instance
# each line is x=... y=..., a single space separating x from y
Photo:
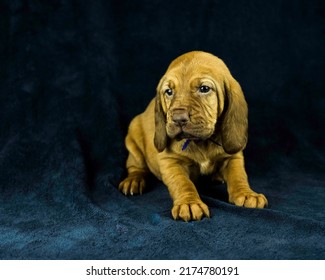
x=197 y=98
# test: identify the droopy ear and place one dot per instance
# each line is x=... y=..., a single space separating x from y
x=235 y=120
x=160 y=139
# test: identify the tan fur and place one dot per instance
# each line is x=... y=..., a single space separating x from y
x=217 y=123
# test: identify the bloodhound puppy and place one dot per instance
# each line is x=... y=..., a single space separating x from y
x=196 y=125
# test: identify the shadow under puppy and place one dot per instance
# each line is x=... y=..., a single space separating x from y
x=196 y=125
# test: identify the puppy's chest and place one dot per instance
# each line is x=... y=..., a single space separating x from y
x=210 y=165
x=207 y=167
x=208 y=159
x=206 y=156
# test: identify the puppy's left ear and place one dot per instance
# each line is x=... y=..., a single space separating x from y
x=160 y=139
x=235 y=120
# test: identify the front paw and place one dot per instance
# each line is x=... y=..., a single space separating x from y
x=133 y=184
x=249 y=199
x=192 y=211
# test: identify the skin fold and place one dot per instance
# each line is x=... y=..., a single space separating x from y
x=198 y=102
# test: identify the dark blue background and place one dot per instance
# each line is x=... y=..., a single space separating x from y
x=74 y=73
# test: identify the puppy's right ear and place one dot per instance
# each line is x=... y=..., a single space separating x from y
x=160 y=139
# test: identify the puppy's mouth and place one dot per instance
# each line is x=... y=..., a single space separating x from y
x=188 y=132
x=187 y=136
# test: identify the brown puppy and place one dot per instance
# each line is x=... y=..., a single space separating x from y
x=196 y=125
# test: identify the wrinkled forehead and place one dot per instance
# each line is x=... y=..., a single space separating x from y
x=174 y=81
x=192 y=75
x=193 y=69
x=196 y=60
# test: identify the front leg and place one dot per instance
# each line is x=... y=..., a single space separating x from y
x=238 y=188
x=187 y=204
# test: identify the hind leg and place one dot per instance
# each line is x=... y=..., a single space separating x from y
x=137 y=168
x=134 y=183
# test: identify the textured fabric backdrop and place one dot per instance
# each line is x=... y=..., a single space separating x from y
x=74 y=73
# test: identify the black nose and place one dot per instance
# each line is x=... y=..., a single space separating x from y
x=180 y=117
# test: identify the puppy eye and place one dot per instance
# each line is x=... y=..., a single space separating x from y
x=169 y=92
x=204 y=89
